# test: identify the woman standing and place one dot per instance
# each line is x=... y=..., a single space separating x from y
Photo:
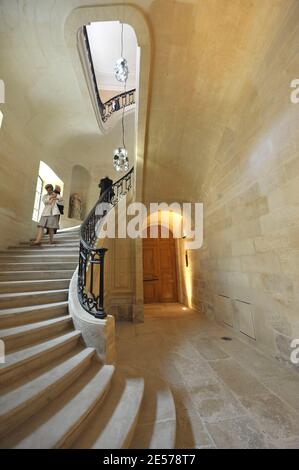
x=50 y=215
x=60 y=206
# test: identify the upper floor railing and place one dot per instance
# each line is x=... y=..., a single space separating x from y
x=91 y=258
x=114 y=104
x=118 y=102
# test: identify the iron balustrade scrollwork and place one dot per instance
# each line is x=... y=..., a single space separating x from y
x=123 y=100
x=91 y=258
x=114 y=104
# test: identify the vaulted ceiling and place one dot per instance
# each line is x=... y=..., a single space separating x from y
x=206 y=56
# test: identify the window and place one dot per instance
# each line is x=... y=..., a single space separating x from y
x=38 y=199
x=45 y=176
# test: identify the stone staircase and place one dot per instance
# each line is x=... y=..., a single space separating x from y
x=55 y=391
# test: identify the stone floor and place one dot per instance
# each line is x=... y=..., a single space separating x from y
x=227 y=393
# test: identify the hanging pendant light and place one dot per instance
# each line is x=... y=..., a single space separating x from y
x=121 y=66
x=120 y=159
x=120 y=155
x=121 y=70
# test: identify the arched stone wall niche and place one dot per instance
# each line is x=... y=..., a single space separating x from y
x=80 y=184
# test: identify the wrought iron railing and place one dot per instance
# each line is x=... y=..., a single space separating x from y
x=114 y=104
x=91 y=258
x=123 y=100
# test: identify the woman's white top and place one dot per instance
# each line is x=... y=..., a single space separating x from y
x=50 y=208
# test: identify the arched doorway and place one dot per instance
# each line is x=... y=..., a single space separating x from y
x=159 y=268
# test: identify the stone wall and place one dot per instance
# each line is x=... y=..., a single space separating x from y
x=247 y=273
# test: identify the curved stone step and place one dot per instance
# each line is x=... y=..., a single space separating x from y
x=23 y=362
x=25 y=335
x=54 y=389
x=43 y=250
x=60 y=237
x=35 y=258
x=25 y=401
x=24 y=299
x=73 y=229
x=112 y=424
x=45 y=284
x=35 y=275
x=65 y=238
x=156 y=427
x=45 y=246
x=33 y=266
x=62 y=420
x=67 y=233
x=13 y=317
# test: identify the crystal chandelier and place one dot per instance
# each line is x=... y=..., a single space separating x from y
x=120 y=155
x=121 y=70
x=120 y=159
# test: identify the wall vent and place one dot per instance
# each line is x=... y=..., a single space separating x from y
x=245 y=318
x=224 y=309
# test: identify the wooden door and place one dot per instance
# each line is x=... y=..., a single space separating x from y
x=159 y=270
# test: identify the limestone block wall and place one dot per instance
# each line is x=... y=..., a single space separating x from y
x=120 y=278
x=247 y=273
